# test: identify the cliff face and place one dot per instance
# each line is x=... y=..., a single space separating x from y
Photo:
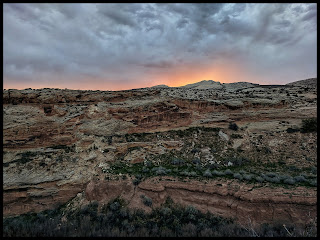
x=244 y=202
x=60 y=143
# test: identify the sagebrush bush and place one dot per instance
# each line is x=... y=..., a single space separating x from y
x=160 y=170
x=136 y=181
x=170 y=219
x=313 y=182
x=290 y=181
x=300 y=179
x=114 y=206
x=207 y=173
x=271 y=174
x=196 y=161
x=247 y=177
x=283 y=177
x=177 y=161
x=275 y=179
x=309 y=125
x=228 y=172
x=233 y=126
x=146 y=200
x=259 y=179
x=237 y=176
x=217 y=173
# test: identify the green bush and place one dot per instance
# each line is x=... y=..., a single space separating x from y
x=116 y=220
x=136 y=181
x=146 y=200
x=300 y=179
x=228 y=172
x=207 y=173
x=313 y=182
x=259 y=179
x=218 y=173
x=247 y=177
x=290 y=181
x=274 y=179
x=309 y=125
x=233 y=126
x=237 y=176
x=271 y=174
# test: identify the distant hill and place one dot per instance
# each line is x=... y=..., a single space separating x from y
x=310 y=82
x=205 y=84
x=239 y=85
x=160 y=86
x=210 y=84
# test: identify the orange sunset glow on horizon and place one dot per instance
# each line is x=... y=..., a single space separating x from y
x=180 y=76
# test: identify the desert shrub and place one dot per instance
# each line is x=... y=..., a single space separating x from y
x=218 y=173
x=123 y=213
x=293 y=168
x=292 y=130
x=213 y=166
x=247 y=177
x=138 y=176
x=313 y=182
x=184 y=173
x=271 y=174
x=114 y=206
x=237 y=176
x=274 y=230
x=207 y=173
x=283 y=177
x=189 y=174
x=290 y=181
x=195 y=150
x=233 y=126
x=145 y=169
x=170 y=220
x=166 y=211
x=259 y=179
x=148 y=163
x=146 y=200
x=160 y=170
x=191 y=210
x=136 y=181
x=196 y=161
x=272 y=179
x=313 y=169
x=242 y=171
x=309 y=125
x=228 y=172
x=177 y=161
x=198 y=167
x=300 y=179
x=239 y=161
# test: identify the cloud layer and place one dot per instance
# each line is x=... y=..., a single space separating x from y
x=122 y=46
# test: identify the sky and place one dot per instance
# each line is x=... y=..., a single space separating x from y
x=128 y=45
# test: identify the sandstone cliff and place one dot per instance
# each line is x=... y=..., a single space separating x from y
x=62 y=143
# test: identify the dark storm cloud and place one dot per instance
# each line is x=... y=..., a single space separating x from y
x=161 y=64
x=128 y=41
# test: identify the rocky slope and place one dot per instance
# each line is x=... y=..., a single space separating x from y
x=79 y=146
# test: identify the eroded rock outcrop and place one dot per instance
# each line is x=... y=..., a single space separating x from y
x=57 y=141
x=225 y=198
